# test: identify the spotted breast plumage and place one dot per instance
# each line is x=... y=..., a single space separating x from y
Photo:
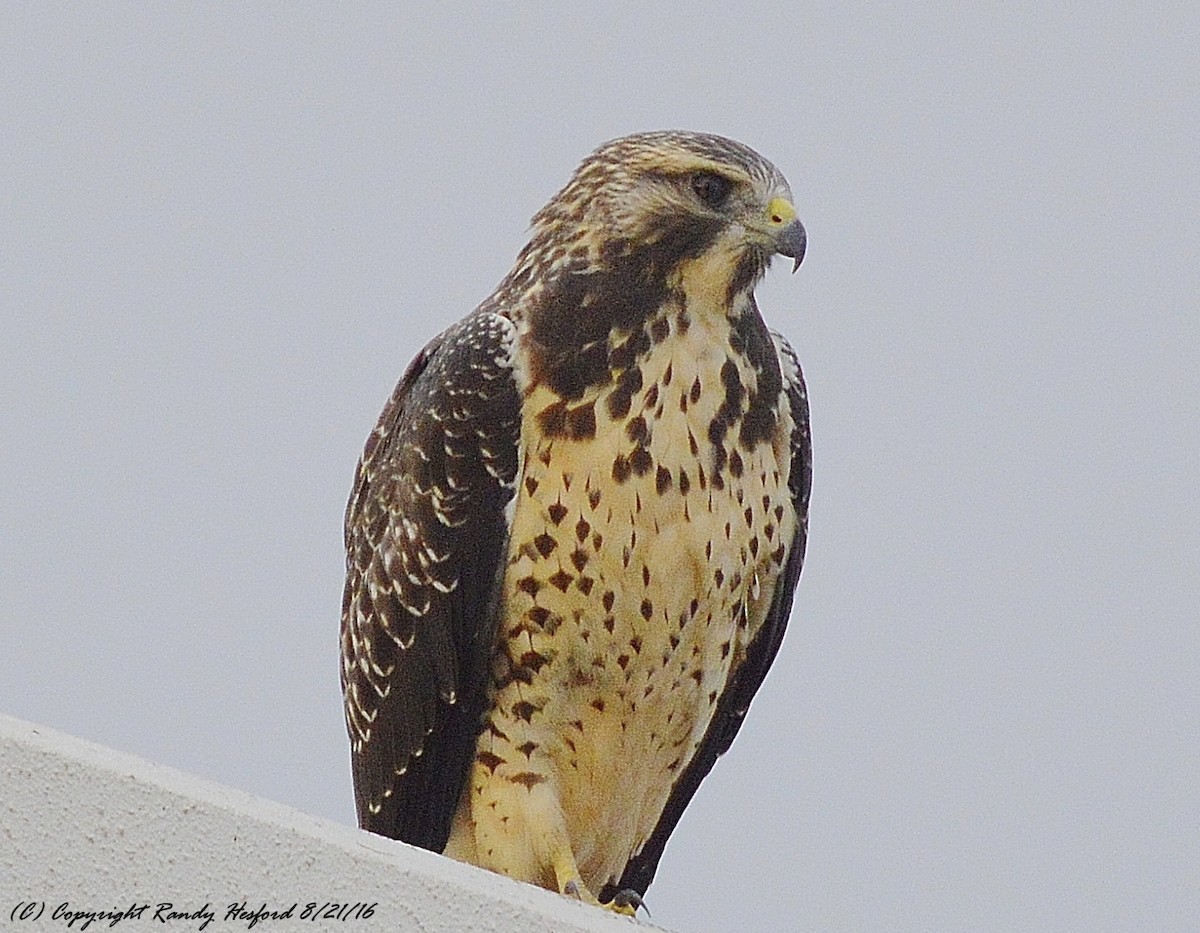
x=576 y=530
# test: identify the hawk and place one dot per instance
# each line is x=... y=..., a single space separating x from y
x=576 y=529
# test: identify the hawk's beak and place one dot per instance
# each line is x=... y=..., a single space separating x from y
x=790 y=238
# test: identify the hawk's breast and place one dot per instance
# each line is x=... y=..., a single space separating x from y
x=647 y=534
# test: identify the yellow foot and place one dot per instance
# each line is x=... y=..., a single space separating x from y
x=566 y=876
x=626 y=902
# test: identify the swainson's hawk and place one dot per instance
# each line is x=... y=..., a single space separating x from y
x=576 y=530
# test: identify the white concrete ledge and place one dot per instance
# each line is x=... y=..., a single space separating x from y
x=99 y=830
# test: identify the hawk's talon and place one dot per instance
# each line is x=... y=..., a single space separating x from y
x=627 y=901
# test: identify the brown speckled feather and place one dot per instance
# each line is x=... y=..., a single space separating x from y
x=425 y=534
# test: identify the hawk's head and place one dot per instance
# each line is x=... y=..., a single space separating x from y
x=656 y=200
x=645 y=219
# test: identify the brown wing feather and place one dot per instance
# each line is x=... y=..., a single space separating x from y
x=425 y=534
x=748 y=677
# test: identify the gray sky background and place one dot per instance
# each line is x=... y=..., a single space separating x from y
x=224 y=233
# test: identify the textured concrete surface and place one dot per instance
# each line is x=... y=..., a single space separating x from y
x=100 y=831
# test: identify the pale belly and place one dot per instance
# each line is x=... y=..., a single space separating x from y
x=639 y=568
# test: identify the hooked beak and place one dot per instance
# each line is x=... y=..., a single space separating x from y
x=790 y=238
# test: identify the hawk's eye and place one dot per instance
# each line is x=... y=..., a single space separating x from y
x=711 y=188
